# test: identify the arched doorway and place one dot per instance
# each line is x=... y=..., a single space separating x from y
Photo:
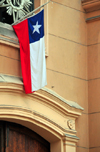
x=17 y=138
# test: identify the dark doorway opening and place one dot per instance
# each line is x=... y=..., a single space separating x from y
x=17 y=138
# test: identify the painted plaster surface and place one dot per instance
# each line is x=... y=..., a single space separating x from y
x=67 y=61
x=73 y=4
x=94 y=84
x=73 y=70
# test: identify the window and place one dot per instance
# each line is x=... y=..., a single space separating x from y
x=6 y=13
x=7 y=34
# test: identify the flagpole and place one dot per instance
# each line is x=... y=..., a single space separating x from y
x=29 y=14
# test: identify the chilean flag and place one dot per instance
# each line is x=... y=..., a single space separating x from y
x=30 y=33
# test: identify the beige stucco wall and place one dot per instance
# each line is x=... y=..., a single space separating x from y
x=94 y=83
x=67 y=60
x=70 y=64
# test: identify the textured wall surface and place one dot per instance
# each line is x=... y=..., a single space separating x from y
x=67 y=60
x=94 y=84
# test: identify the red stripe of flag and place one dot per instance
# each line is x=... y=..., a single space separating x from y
x=23 y=36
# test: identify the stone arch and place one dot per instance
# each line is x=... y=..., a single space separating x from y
x=44 y=112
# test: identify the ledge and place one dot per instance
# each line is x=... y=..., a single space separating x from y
x=8 y=36
x=15 y=84
x=70 y=103
x=91 y=5
x=94 y=18
x=70 y=138
x=10 y=79
x=44 y=108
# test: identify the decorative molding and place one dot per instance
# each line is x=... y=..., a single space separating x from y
x=8 y=36
x=91 y=5
x=21 y=115
x=7 y=111
x=64 y=110
x=71 y=103
x=70 y=138
x=43 y=111
x=70 y=124
x=25 y=112
x=68 y=108
x=92 y=19
x=8 y=41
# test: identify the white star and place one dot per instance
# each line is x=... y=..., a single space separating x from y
x=36 y=28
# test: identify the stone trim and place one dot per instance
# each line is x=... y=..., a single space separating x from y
x=71 y=108
x=44 y=112
x=70 y=103
x=94 y=18
x=91 y=5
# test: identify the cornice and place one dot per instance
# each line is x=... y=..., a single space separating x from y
x=22 y=115
x=71 y=138
x=91 y=5
x=8 y=41
x=14 y=111
x=8 y=36
x=43 y=108
x=56 y=96
x=45 y=95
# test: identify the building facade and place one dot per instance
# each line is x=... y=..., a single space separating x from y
x=65 y=112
